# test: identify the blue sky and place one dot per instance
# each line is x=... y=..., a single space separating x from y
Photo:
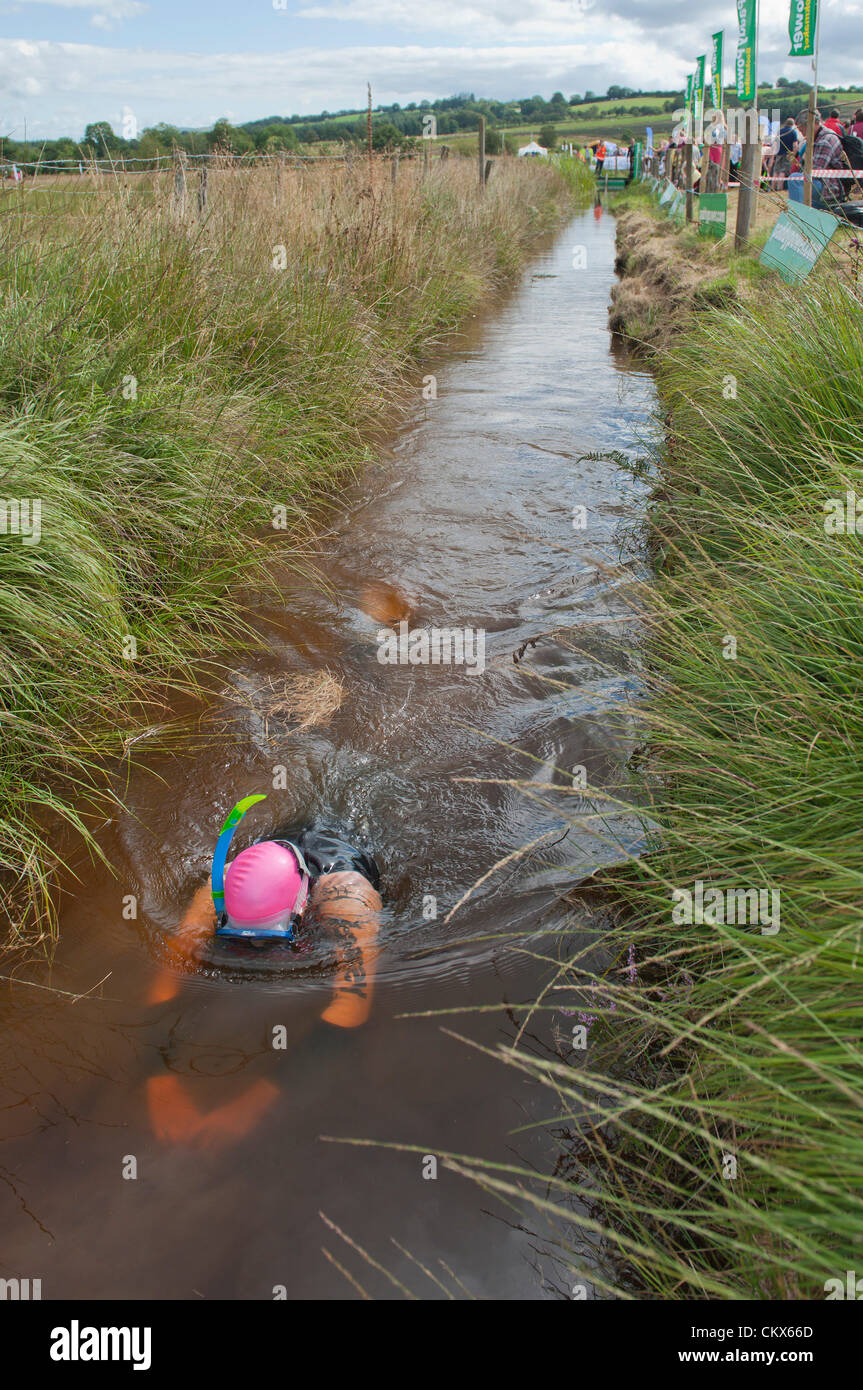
x=63 y=64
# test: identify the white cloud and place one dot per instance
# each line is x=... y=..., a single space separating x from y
x=562 y=18
x=195 y=89
x=105 y=14
x=635 y=43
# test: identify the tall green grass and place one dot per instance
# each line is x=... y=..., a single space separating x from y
x=715 y=1119
x=164 y=385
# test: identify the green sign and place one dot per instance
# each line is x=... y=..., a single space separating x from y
x=747 y=15
x=716 y=71
x=690 y=83
x=636 y=160
x=712 y=214
x=797 y=241
x=802 y=26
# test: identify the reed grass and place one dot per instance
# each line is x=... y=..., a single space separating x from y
x=714 y=1122
x=164 y=386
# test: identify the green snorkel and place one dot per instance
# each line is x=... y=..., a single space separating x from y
x=223 y=844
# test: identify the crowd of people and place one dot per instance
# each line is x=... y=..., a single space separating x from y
x=837 y=146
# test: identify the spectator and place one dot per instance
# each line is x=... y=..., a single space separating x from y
x=826 y=154
x=736 y=157
x=789 y=145
x=857 y=123
x=833 y=122
x=600 y=157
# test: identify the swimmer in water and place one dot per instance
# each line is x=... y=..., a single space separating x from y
x=268 y=893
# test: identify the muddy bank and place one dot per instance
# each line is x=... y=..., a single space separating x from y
x=666 y=279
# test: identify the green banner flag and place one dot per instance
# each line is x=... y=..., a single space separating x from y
x=747 y=15
x=716 y=71
x=700 y=78
x=690 y=82
x=802 y=25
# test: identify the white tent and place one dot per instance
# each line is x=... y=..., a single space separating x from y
x=532 y=149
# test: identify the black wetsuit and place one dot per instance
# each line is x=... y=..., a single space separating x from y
x=325 y=852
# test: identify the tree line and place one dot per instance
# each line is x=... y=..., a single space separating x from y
x=393 y=126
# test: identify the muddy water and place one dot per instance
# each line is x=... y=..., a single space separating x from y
x=467 y=522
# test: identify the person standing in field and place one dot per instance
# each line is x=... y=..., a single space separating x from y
x=789 y=145
x=826 y=154
x=600 y=156
x=833 y=122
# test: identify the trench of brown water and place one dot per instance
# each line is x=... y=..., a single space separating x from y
x=467 y=522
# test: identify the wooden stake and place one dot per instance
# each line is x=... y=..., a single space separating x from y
x=482 y=151
x=179 y=195
x=745 y=193
x=369 y=126
x=810 y=150
x=688 y=168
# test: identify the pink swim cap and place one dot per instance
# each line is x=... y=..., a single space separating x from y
x=264 y=886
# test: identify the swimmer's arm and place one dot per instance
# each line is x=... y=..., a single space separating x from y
x=198 y=923
x=349 y=905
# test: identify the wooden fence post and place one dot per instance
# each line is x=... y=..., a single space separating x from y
x=745 y=193
x=202 y=191
x=703 y=182
x=179 y=191
x=690 y=202
x=482 y=151
x=394 y=169
x=810 y=150
x=281 y=163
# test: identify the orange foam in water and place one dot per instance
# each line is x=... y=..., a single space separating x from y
x=177 y=1120
x=384 y=603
